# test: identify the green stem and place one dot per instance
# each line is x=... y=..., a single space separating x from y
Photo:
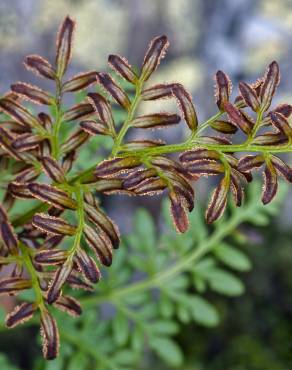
x=58 y=121
x=191 y=143
x=256 y=127
x=80 y=213
x=179 y=267
x=196 y=143
x=206 y=124
x=128 y=120
x=34 y=277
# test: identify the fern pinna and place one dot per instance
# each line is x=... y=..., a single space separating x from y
x=33 y=243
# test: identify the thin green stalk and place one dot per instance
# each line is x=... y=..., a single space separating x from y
x=169 y=273
x=207 y=123
x=34 y=277
x=58 y=121
x=128 y=120
x=191 y=143
x=256 y=127
x=80 y=213
x=196 y=143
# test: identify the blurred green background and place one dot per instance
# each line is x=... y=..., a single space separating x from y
x=239 y=36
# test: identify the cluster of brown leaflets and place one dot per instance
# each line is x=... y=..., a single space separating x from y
x=30 y=145
x=27 y=149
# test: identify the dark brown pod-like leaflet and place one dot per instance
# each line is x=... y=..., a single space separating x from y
x=100 y=244
x=135 y=178
x=27 y=175
x=50 y=335
x=268 y=89
x=141 y=144
x=46 y=121
x=218 y=201
x=87 y=266
x=178 y=212
x=123 y=68
x=202 y=162
x=150 y=186
x=59 y=280
x=79 y=82
x=108 y=185
x=78 y=111
x=282 y=168
x=236 y=188
x=14 y=127
x=52 y=195
x=196 y=154
x=14 y=285
x=74 y=141
x=94 y=127
x=160 y=91
x=157 y=120
x=32 y=93
x=8 y=236
x=270 y=139
x=45 y=148
x=249 y=162
x=181 y=186
x=51 y=256
x=103 y=109
x=154 y=54
x=186 y=105
x=281 y=123
x=69 y=305
x=6 y=142
x=53 y=225
x=40 y=66
x=19 y=190
x=205 y=167
x=115 y=166
x=250 y=96
x=225 y=127
x=64 y=46
x=27 y=142
x=237 y=118
x=20 y=314
x=115 y=91
x=222 y=89
x=20 y=114
x=75 y=282
x=103 y=222
x=68 y=160
x=270 y=186
x=52 y=241
x=169 y=164
x=283 y=109
x=53 y=170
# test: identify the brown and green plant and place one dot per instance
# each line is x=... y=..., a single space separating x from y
x=68 y=212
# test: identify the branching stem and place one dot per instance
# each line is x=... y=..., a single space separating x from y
x=180 y=266
x=126 y=124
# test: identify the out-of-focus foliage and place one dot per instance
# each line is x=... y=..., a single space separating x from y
x=131 y=323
